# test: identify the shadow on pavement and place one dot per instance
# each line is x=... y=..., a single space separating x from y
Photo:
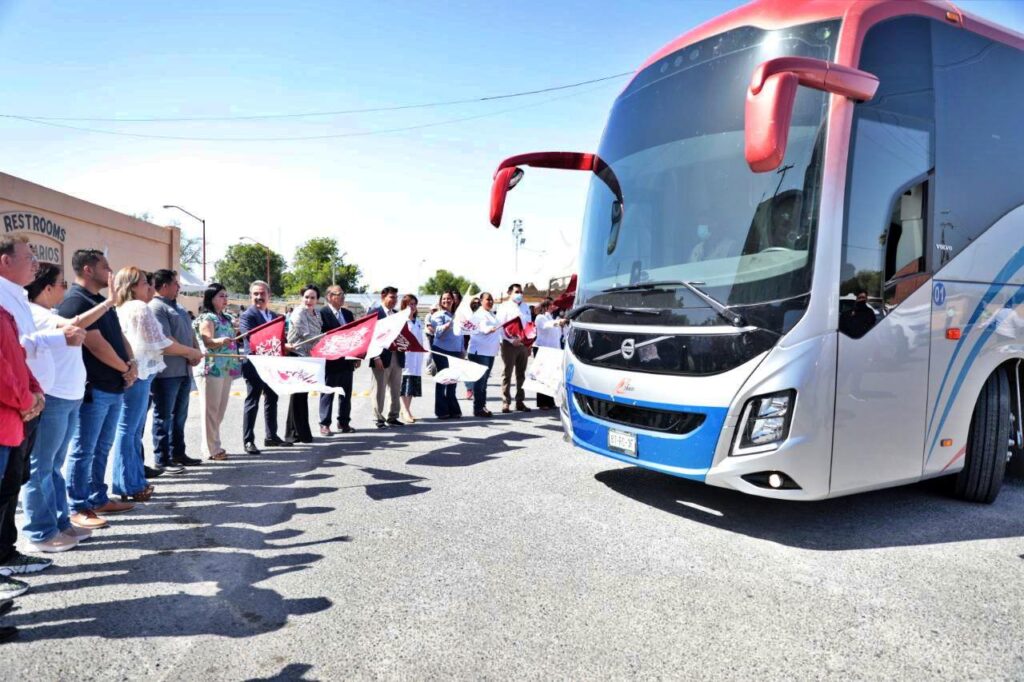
x=919 y=514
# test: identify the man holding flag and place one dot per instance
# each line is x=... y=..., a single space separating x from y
x=256 y=316
x=515 y=350
x=387 y=369
x=339 y=372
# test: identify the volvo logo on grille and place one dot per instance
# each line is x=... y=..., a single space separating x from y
x=628 y=349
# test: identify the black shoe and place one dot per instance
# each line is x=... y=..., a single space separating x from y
x=153 y=473
x=251 y=449
x=276 y=442
x=5 y=606
x=187 y=461
x=172 y=468
x=395 y=422
x=346 y=429
x=522 y=407
x=7 y=633
x=380 y=424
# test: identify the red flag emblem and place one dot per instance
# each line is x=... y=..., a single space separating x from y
x=406 y=342
x=515 y=329
x=267 y=339
x=350 y=341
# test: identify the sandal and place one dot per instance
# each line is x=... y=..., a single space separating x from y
x=219 y=456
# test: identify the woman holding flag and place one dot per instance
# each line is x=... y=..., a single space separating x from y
x=215 y=330
x=412 y=372
x=304 y=323
x=447 y=342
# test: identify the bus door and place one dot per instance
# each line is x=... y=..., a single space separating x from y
x=884 y=306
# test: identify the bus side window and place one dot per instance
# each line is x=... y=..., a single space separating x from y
x=905 y=268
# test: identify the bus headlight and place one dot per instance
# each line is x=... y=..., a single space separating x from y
x=765 y=422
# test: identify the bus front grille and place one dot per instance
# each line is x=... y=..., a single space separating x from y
x=665 y=421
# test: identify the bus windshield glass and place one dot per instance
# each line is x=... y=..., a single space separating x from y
x=691 y=209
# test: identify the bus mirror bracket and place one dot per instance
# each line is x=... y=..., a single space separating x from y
x=772 y=92
x=509 y=173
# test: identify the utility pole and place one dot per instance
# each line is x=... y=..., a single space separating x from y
x=517 y=235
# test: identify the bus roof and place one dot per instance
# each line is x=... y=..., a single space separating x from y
x=774 y=14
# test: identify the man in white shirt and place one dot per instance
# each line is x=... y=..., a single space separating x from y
x=514 y=354
x=17 y=268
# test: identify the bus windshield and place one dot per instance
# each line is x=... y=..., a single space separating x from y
x=691 y=209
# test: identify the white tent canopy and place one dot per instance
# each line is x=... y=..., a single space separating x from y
x=189 y=282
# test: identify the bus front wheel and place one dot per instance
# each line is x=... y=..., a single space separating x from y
x=987 y=443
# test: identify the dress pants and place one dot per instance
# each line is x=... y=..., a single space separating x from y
x=297 y=428
x=341 y=379
x=214 y=393
x=170 y=411
x=388 y=379
x=254 y=388
x=513 y=358
x=15 y=475
x=446 y=404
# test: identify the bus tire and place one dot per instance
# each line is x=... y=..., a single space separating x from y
x=987 y=443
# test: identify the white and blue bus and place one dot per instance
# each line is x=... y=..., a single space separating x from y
x=801 y=269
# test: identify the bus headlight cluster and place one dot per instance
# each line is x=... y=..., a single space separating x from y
x=765 y=422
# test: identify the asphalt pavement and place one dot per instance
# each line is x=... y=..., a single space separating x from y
x=490 y=549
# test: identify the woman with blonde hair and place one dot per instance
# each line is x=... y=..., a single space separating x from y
x=133 y=289
x=216 y=332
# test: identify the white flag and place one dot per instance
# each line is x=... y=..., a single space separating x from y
x=459 y=370
x=544 y=374
x=286 y=375
x=463 y=322
x=384 y=334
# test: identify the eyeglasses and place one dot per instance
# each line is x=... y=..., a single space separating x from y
x=62 y=284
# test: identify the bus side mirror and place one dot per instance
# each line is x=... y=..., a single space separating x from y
x=772 y=92
x=509 y=174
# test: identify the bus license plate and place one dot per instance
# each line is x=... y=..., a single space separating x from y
x=622 y=441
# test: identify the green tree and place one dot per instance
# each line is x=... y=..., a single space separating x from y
x=244 y=263
x=443 y=280
x=318 y=262
x=191 y=250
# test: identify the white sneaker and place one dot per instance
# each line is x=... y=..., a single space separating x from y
x=58 y=543
x=80 y=534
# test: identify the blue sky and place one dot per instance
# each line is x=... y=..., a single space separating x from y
x=400 y=204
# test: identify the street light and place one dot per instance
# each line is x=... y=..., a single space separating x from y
x=266 y=249
x=204 y=233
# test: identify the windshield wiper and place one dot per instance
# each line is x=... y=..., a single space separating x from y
x=576 y=312
x=731 y=316
x=656 y=284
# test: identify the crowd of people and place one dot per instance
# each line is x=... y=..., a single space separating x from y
x=81 y=371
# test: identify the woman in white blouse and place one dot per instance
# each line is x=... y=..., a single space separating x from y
x=483 y=346
x=303 y=324
x=412 y=371
x=61 y=375
x=549 y=335
x=133 y=289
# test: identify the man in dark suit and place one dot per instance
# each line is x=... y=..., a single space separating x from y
x=254 y=316
x=338 y=372
x=387 y=368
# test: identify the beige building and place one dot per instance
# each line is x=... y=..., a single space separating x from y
x=57 y=225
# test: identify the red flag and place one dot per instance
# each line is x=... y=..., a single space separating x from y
x=267 y=339
x=407 y=342
x=566 y=298
x=349 y=341
x=515 y=329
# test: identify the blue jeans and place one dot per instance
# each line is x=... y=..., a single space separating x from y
x=480 y=386
x=5 y=452
x=90 y=447
x=170 y=410
x=129 y=477
x=44 y=498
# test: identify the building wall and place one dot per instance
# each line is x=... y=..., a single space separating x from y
x=58 y=224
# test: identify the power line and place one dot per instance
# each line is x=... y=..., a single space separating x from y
x=313 y=114
x=332 y=136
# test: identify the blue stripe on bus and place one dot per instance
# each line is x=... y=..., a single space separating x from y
x=689 y=455
x=1016 y=299
x=1015 y=263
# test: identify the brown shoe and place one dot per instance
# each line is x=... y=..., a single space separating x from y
x=326 y=431
x=506 y=409
x=112 y=507
x=88 y=520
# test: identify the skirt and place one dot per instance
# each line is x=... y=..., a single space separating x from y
x=412 y=387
